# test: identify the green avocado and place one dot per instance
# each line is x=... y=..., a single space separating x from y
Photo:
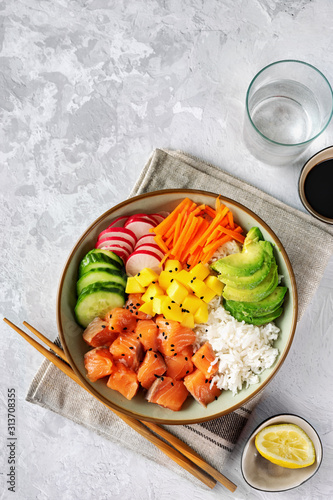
x=253 y=236
x=250 y=282
x=261 y=320
x=245 y=263
x=265 y=288
x=260 y=308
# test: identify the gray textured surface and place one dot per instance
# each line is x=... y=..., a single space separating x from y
x=88 y=90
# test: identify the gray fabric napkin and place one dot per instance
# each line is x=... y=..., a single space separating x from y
x=301 y=235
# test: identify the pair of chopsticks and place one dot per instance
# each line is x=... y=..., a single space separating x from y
x=178 y=451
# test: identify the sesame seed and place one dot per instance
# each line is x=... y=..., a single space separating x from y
x=110 y=316
x=215 y=398
x=157 y=376
x=171 y=280
x=136 y=314
x=165 y=337
x=202 y=297
x=170 y=271
x=112 y=328
x=171 y=349
x=131 y=310
x=206 y=380
x=187 y=371
x=138 y=274
x=153 y=282
x=185 y=358
x=175 y=354
x=140 y=335
x=173 y=301
x=162 y=379
x=103 y=326
x=169 y=307
x=172 y=345
x=155 y=355
x=172 y=383
x=123 y=354
x=127 y=307
x=202 y=357
x=176 y=268
x=166 y=323
x=150 y=349
x=131 y=347
x=125 y=328
x=151 y=298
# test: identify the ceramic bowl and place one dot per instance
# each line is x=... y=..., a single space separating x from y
x=263 y=475
x=71 y=333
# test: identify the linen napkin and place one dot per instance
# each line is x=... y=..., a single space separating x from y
x=301 y=236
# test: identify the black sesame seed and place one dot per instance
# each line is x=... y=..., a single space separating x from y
x=173 y=301
x=112 y=328
x=169 y=307
x=187 y=371
x=150 y=349
x=131 y=347
x=191 y=281
x=157 y=376
x=125 y=328
x=138 y=304
x=157 y=326
x=136 y=314
x=206 y=380
x=123 y=354
x=172 y=345
x=176 y=268
x=134 y=307
x=166 y=323
x=172 y=383
x=215 y=398
x=165 y=337
x=110 y=316
x=180 y=305
x=175 y=354
x=140 y=335
x=170 y=271
x=151 y=298
x=127 y=307
x=155 y=355
x=138 y=274
x=185 y=358
x=171 y=349
x=103 y=326
x=171 y=280
x=201 y=297
x=194 y=278
x=153 y=282
x=162 y=379
x=202 y=357
x=131 y=310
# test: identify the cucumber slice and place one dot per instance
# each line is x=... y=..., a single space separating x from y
x=100 y=257
x=101 y=275
x=96 y=300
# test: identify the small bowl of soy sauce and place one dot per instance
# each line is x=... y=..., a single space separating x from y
x=316 y=185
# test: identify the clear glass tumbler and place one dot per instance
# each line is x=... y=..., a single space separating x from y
x=288 y=104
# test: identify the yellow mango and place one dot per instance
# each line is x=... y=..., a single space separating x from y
x=191 y=303
x=188 y=320
x=201 y=315
x=184 y=278
x=214 y=284
x=152 y=291
x=171 y=310
x=147 y=308
x=157 y=303
x=176 y=291
x=172 y=266
x=200 y=271
x=164 y=279
x=202 y=291
x=146 y=276
x=133 y=286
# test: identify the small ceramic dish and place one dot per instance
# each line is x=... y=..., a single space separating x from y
x=263 y=475
x=315 y=185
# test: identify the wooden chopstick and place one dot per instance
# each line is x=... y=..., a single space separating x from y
x=138 y=426
x=176 y=442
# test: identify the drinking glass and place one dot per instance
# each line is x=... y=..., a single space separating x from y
x=288 y=105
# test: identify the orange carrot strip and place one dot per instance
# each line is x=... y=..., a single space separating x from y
x=234 y=234
x=200 y=232
x=217 y=203
x=183 y=236
x=231 y=220
x=160 y=243
x=216 y=244
x=189 y=236
x=210 y=211
x=213 y=225
x=177 y=229
x=164 y=259
x=168 y=242
x=171 y=218
x=199 y=209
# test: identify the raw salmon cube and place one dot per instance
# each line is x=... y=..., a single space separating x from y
x=127 y=348
x=123 y=380
x=168 y=393
x=120 y=320
x=132 y=305
x=98 y=334
x=179 y=366
x=147 y=332
x=153 y=365
x=203 y=359
x=200 y=388
x=98 y=362
x=173 y=337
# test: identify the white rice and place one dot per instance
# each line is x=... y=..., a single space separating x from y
x=243 y=351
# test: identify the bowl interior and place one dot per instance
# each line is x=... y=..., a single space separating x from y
x=266 y=476
x=71 y=333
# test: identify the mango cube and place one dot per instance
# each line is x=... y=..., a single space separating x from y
x=172 y=266
x=164 y=279
x=201 y=315
x=202 y=291
x=133 y=286
x=214 y=284
x=146 y=276
x=184 y=278
x=177 y=292
x=200 y=271
x=171 y=310
x=147 y=308
x=188 y=320
x=157 y=303
x=152 y=291
x=196 y=285
x=191 y=304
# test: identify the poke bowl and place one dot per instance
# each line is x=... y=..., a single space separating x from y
x=75 y=315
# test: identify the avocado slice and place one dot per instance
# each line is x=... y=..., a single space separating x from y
x=260 y=308
x=265 y=288
x=245 y=263
x=250 y=282
x=258 y=321
x=253 y=236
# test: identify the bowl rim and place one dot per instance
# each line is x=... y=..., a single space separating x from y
x=153 y=194
x=254 y=432
x=319 y=157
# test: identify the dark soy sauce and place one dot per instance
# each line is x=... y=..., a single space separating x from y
x=318 y=188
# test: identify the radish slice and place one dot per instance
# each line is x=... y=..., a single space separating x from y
x=163 y=214
x=159 y=218
x=146 y=217
x=140 y=259
x=147 y=238
x=116 y=232
x=119 y=222
x=119 y=250
x=151 y=248
x=139 y=227
x=115 y=241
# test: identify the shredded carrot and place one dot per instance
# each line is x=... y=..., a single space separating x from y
x=192 y=233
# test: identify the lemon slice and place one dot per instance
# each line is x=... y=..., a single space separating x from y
x=286 y=445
